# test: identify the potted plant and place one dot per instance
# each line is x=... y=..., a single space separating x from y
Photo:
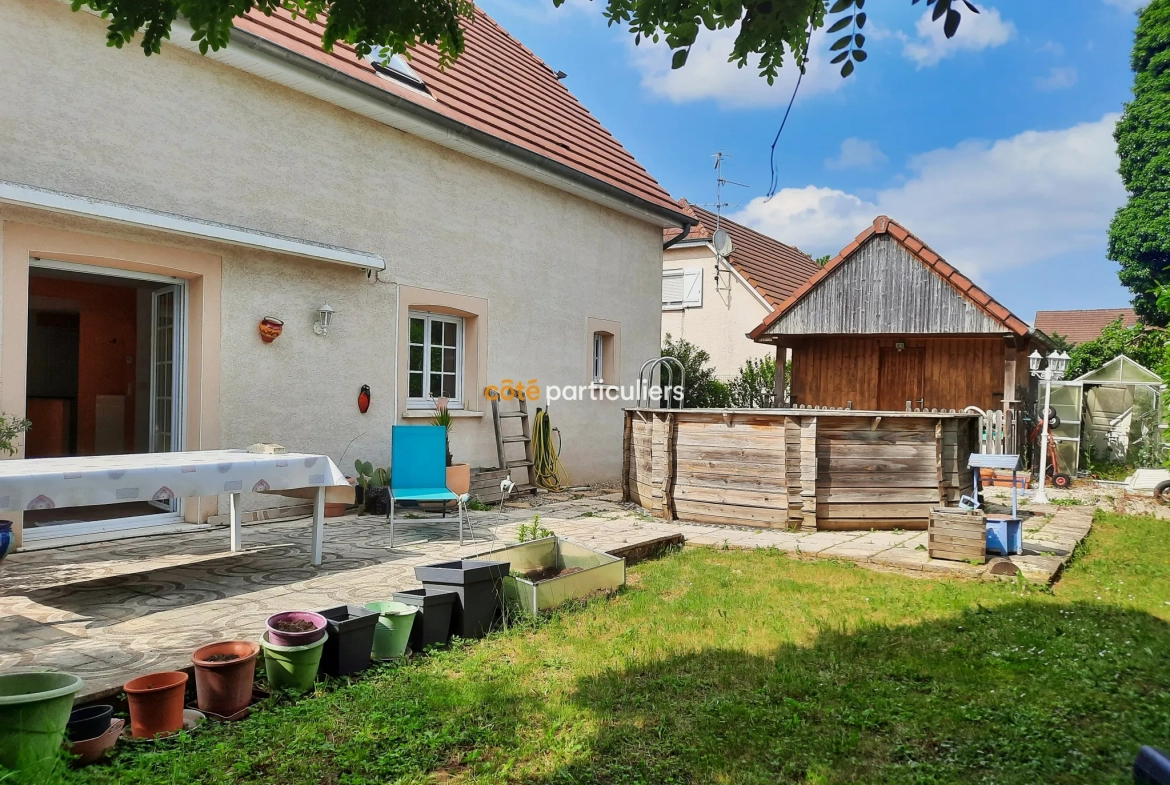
x=156 y=703
x=351 y=639
x=479 y=585
x=395 y=621
x=292 y=667
x=374 y=483
x=458 y=474
x=224 y=673
x=34 y=709
x=433 y=624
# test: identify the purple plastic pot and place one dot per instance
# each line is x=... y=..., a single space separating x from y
x=278 y=638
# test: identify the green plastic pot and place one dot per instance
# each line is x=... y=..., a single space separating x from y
x=395 y=621
x=292 y=667
x=34 y=709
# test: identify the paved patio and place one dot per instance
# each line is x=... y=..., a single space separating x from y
x=113 y=610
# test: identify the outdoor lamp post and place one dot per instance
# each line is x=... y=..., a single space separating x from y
x=1053 y=371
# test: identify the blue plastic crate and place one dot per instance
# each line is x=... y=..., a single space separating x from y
x=1005 y=536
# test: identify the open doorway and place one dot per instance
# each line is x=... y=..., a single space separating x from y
x=104 y=376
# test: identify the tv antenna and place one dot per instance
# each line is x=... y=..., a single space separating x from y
x=720 y=238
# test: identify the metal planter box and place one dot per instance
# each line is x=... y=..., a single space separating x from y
x=598 y=571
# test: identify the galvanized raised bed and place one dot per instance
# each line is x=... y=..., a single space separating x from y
x=597 y=571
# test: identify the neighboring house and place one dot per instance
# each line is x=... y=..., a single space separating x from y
x=716 y=312
x=888 y=325
x=465 y=226
x=1081 y=326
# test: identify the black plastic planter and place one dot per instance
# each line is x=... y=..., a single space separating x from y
x=479 y=585
x=432 y=625
x=351 y=637
x=89 y=722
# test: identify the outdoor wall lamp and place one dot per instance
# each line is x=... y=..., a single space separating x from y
x=324 y=319
x=1057 y=364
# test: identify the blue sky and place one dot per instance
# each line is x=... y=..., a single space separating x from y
x=995 y=147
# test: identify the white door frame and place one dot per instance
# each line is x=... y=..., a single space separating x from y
x=62 y=533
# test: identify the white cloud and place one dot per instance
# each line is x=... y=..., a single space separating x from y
x=984 y=206
x=984 y=30
x=708 y=74
x=1052 y=48
x=857 y=154
x=1058 y=78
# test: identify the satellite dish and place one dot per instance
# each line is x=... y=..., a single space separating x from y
x=722 y=242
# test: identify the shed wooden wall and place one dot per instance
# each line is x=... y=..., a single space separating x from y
x=882 y=289
x=796 y=469
x=957 y=372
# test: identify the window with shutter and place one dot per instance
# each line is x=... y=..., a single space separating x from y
x=672 y=288
x=693 y=287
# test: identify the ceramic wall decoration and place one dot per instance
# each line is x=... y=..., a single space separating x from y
x=270 y=328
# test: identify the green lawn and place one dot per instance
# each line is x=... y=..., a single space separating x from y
x=750 y=667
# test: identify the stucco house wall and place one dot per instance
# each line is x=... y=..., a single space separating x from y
x=720 y=326
x=115 y=125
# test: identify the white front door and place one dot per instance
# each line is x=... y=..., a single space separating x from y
x=166 y=350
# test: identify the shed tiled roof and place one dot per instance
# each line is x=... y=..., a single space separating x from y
x=1080 y=326
x=773 y=268
x=920 y=251
x=497 y=86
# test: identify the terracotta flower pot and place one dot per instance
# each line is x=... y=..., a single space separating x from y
x=270 y=329
x=459 y=478
x=156 y=703
x=224 y=686
x=92 y=750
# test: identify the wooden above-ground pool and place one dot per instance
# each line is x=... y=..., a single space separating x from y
x=797 y=468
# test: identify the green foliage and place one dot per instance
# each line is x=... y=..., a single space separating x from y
x=742 y=667
x=532 y=531
x=444 y=420
x=1144 y=346
x=823 y=260
x=773 y=29
x=701 y=389
x=11 y=427
x=1061 y=343
x=1139 y=237
x=475 y=505
x=755 y=386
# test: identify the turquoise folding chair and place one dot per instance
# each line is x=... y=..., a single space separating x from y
x=418 y=470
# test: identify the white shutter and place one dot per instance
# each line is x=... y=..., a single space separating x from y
x=692 y=287
x=672 y=288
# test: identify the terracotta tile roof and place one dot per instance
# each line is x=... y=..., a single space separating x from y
x=497 y=86
x=1080 y=326
x=920 y=251
x=773 y=268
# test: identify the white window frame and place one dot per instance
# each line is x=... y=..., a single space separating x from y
x=427 y=402
x=598 y=358
x=691 y=283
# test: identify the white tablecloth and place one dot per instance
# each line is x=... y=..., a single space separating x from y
x=47 y=483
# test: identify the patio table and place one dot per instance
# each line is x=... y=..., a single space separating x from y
x=47 y=483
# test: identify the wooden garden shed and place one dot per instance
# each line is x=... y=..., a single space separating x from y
x=889 y=325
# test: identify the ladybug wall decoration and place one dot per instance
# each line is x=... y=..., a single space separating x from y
x=364 y=399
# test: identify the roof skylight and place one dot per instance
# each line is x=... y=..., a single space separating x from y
x=396 y=68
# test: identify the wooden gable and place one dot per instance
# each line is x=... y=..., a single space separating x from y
x=881 y=288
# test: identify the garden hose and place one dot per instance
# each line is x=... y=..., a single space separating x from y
x=546 y=463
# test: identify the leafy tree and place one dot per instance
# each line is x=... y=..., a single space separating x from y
x=1139 y=237
x=1139 y=343
x=1061 y=343
x=823 y=260
x=11 y=427
x=771 y=29
x=700 y=388
x=755 y=386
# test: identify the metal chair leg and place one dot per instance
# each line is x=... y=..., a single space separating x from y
x=459 y=506
x=391 y=516
x=464 y=516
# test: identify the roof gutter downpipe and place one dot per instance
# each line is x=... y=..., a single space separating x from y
x=686 y=229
